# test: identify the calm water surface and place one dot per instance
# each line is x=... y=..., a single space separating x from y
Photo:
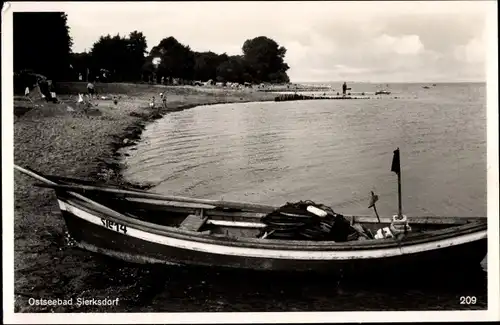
x=332 y=152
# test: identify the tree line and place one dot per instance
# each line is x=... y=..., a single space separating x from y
x=42 y=44
x=120 y=58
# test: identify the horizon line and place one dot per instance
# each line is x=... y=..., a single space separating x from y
x=392 y=82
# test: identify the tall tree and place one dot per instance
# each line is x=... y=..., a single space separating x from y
x=232 y=69
x=42 y=43
x=122 y=56
x=177 y=60
x=206 y=64
x=113 y=53
x=137 y=46
x=266 y=59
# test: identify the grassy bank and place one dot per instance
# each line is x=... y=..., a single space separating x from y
x=65 y=140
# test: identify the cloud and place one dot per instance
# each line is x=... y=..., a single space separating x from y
x=408 y=47
x=474 y=52
x=403 y=45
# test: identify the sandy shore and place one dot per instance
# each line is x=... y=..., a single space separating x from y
x=61 y=139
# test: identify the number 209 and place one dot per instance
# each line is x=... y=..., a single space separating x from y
x=468 y=300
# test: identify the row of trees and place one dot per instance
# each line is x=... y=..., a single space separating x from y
x=262 y=61
x=126 y=59
x=42 y=43
x=113 y=58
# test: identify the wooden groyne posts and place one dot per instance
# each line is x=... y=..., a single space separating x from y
x=290 y=97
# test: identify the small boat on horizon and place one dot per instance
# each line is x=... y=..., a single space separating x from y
x=143 y=227
x=383 y=91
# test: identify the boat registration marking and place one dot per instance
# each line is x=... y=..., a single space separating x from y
x=114 y=225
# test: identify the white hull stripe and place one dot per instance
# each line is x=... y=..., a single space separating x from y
x=276 y=253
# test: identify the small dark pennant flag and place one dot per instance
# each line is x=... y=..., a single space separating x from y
x=395 y=162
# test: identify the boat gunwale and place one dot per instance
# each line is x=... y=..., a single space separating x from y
x=174 y=232
x=221 y=211
x=458 y=220
x=214 y=211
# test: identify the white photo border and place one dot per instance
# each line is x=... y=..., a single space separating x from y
x=492 y=313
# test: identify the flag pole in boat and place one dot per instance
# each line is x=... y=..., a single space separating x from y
x=374 y=199
x=396 y=168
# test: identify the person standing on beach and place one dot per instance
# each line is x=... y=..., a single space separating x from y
x=163 y=100
x=90 y=89
x=344 y=88
x=45 y=89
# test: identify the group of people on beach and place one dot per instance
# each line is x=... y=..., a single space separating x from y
x=152 y=104
x=163 y=98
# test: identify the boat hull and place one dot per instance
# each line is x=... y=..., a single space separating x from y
x=100 y=236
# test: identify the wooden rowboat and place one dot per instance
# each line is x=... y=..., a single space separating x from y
x=143 y=227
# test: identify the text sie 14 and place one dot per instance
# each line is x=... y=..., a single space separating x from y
x=114 y=226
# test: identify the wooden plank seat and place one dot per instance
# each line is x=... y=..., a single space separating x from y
x=193 y=222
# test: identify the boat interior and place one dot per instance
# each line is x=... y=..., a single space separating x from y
x=231 y=222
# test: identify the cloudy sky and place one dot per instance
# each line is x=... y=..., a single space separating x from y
x=326 y=41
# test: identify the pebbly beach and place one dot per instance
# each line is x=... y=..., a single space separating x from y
x=63 y=139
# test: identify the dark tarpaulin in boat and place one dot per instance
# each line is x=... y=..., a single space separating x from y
x=294 y=221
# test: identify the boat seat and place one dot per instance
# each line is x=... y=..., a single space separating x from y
x=193 y=222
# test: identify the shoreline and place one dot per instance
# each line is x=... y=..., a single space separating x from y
x=53 y=139
x=133 y=133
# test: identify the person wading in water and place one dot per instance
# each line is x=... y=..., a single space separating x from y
x=344 y=88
